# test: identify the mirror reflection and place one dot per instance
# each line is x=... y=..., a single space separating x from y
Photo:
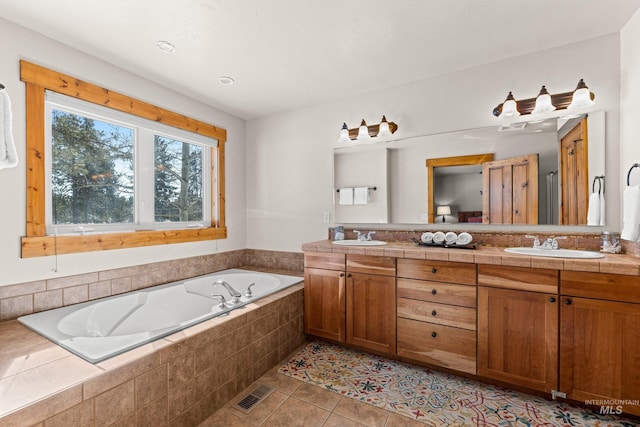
x=546 y=172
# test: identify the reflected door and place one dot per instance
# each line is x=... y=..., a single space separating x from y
x=510 y=191
x=575 y=175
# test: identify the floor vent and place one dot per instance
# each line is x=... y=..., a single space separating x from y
x=251 y=400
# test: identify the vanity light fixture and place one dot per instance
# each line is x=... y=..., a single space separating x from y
x=443 y=210
x=365 y=132
x=545 y=102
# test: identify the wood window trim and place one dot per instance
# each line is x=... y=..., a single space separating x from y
x=36 y=243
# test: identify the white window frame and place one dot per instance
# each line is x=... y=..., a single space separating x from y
x=144 y=165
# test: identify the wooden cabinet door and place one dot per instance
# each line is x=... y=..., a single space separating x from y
x=324 y=303
x=371 y=312
x=600 y=350
x=510 y=191
x=518 y=337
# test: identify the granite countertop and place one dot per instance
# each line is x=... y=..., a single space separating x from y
x=611 y=263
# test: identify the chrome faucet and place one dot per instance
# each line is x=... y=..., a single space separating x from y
x=536 y=241
x=234 y=294
x=221 y=298
x=248 y=293
x=362 y=236
x=549 y=243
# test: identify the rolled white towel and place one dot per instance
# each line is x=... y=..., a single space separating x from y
x=464 y=238
x=602 y=215
x=8 y=156
x=630 y=213
x=450 y=238
x=427 y=237
x=438 y=237
x=593 y=214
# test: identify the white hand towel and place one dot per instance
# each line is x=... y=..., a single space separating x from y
x=361 y=195
x=464 y=238
x=630 y=213
x=8 y=155
x=593 y=214
x=346 y=196
x=438 y=237
x=450 y=238
x=602 y=215
x=427 y=237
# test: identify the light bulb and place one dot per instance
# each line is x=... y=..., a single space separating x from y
x=510 y=107
x=363 y=131
x=344 y=134
x=384 y=130
x=581 y=97
x=543 y=102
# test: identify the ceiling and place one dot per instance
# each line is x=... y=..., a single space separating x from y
x=288 y=54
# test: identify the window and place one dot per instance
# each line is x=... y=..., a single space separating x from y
x=99 y=176
x=127 y=175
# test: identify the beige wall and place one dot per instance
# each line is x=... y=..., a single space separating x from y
x=630 y=100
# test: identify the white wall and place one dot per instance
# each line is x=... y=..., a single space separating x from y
x=19 y=43
x=630 y=100
x=289 y=174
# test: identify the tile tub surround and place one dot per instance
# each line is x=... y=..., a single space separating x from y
x=178 y=380
x=32 y=297
x=586 y=241
x=611 y=263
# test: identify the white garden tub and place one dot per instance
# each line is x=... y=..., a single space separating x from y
x=99 y=329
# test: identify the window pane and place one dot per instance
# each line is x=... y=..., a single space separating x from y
x=92 y=170
x=178 y=180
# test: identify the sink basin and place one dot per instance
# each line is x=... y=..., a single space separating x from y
x=359 y=242
x=556 y=253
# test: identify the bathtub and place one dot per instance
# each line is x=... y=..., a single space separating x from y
x=99 y=329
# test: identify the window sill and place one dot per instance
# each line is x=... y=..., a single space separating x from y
x=39 y=246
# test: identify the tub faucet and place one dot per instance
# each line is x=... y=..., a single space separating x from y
x=234 y=294
x=221 y=298
x=248 y=293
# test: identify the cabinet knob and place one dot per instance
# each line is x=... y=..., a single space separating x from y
x=433 y=334
x=567 y=301
x=433 y=292
x=341 y=275
x=433 y=313
x=552 y=299
x=433 y=270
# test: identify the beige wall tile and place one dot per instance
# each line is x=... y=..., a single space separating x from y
x=99 y=289
x=121 y=285
x=22 y=289
x=151 y=385
x=115 y=404
x=117 y=375
x=42 y=409
x=153 y=414
x=79 y=416
x=14 y=307
x=47 y=300
x=75 y=294
x=69 y=281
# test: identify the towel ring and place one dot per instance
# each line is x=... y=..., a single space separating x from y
x=635 y=165
x=600 y=180
x=1 y=86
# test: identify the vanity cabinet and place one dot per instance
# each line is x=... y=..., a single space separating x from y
x=325 y=295
x=371 y=307
x=518 y=326
x=600 y=338
x=437 y=313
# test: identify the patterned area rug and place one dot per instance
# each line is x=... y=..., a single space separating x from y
x=431 y=397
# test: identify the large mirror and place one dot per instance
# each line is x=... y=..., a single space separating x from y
x=537 y=172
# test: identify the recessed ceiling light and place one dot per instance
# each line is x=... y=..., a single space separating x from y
x=165 y=46
x=226 y=80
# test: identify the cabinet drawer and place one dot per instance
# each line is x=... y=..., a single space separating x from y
x=441 y=271
x=380 y=265
x=519 y=278
x=445 y=346
x=614 y=287
x=327 y=261
x=444 y=293
x=441 y=314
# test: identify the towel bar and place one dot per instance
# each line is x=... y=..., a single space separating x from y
x=370 y=188
x=635 y=165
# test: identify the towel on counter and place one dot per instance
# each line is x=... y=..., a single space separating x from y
x=8 y=155
x=346 y=196
x=631 y=213
x=464 y=238
x=602 y=215
x=450 y=238
x=427 y=237
x=593 y=214
x=361 y=195
x=438 y=237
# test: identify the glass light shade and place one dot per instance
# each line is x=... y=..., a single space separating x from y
x=443 y=210
x=543 y=102
x=344 y=134
x=384 y=130
x=510 y=107
x=363 y=131
x=581 y=97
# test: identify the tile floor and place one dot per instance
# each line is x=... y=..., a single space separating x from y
x=294 y=403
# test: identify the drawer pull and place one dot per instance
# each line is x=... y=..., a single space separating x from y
x=433 y=270
x=552 y=299
x=433 y=292
x=433 y=313
x=567 y=301
x=433 y=334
